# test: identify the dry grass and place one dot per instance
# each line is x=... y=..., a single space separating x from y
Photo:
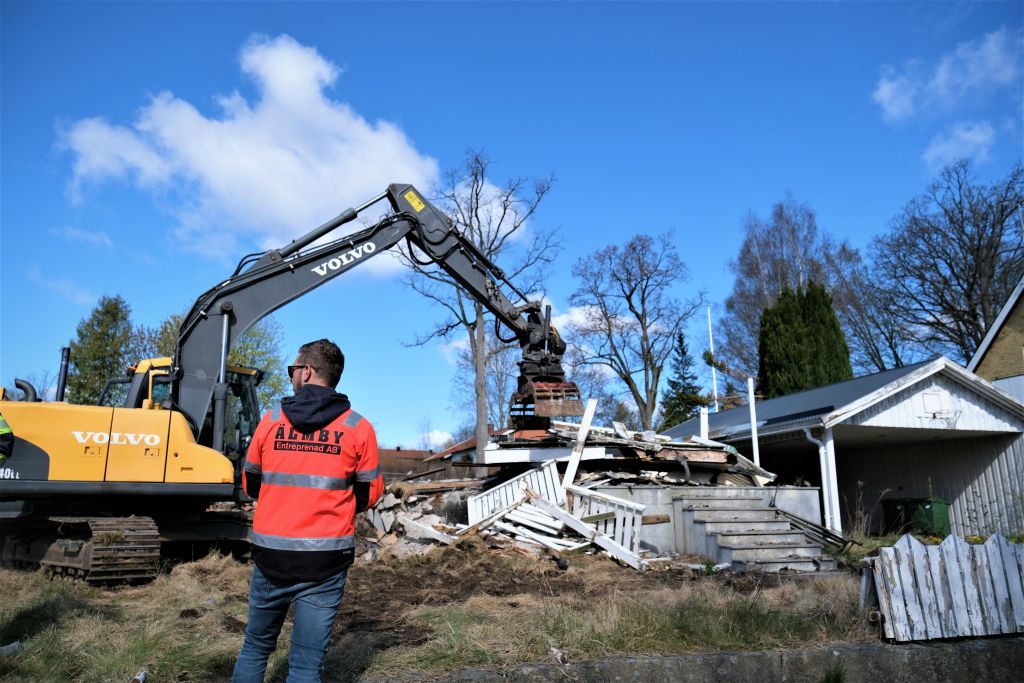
x=700 y=616
x=188 y=625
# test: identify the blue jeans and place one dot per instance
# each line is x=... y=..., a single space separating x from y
x=316 y=606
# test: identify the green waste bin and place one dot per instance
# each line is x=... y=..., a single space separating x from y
x=931 y=517
x=920 y=515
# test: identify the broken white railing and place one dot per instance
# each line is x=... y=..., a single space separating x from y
x=543 y=480
x=948 y=590
x=616 y=518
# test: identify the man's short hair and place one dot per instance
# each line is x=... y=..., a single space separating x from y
x=326 y=358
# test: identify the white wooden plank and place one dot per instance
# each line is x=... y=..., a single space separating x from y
x=1002 y=591
x=943 y=595
x=1014 y=584
x=926 y=591
x=965 y=565
x=486 y=522
x=867 y=588
x=904 y=566
x=986 y=591
x=526 y=533
x=955 y=582
x=884 y=600
x=531 y=522
x=888 y=558
x=581 y=441
x=586 y=531
x=607 y=498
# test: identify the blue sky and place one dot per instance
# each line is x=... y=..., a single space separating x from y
x=144 y=147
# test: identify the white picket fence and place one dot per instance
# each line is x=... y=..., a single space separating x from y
x=948 y=590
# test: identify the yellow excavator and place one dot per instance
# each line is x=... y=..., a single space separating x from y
x=91 y=492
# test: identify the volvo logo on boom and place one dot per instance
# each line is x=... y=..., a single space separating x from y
x=116 y=438
x=345 y=259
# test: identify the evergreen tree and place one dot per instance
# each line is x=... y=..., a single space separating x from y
x=800 y=344
x=99 y=350
x=683 y=397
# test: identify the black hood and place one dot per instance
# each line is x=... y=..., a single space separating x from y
x=314 y=407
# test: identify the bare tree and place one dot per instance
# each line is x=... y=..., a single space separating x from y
x=952 y=257
x=497 y=220
x=501 y=371
x=785 y=252
x=788 y=251
x=629 y=317
x=878 y=339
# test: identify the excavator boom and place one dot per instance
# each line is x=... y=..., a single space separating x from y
x=266 y=281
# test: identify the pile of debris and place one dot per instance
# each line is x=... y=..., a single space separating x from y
x=531 y=505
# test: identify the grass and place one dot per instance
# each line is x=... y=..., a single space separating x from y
x=183 y=626
x=188 y=624
x=701 y=616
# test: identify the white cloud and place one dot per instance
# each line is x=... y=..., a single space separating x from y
x=990 y=63
x=64 y=287
x=265 y=171
x=973 y=69
x=896 y=94
x=964 y=140
x=98 y=238
x=433 y=440
x=454 y=349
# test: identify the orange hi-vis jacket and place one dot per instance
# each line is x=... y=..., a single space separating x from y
x=307 y=487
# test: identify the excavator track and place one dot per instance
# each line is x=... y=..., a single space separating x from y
x=97 y=550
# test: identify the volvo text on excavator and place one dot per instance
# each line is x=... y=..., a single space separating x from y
x=92 y=491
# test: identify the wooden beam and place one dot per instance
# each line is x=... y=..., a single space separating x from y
x=581 y=441
x=655 y=519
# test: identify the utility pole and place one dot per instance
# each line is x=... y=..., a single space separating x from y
x=714 y=375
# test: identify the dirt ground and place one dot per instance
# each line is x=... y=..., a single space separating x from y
x=378 y=594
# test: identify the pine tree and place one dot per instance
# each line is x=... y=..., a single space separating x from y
x=683 y=397
x=800 y=344
x=99 y=350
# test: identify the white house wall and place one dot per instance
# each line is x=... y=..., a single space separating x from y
x=938 y=403
x=983 y=478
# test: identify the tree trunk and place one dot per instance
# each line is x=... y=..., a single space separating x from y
x=480 y=381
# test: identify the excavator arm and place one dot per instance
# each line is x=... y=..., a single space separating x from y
x=265 y=281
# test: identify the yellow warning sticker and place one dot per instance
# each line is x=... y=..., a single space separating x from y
x=416 y=202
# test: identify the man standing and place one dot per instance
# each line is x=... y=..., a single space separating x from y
x=312 y=465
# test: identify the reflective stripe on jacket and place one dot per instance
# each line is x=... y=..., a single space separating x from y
x=305 y=517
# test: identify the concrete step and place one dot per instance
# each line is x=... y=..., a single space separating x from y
x=766 y=553
x=721 y=491
x=744 y=526
x=772 y=538
x=823 y=563
x=728 y=503
x=733 y=515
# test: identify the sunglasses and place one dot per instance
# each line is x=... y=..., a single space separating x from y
x=293 y=368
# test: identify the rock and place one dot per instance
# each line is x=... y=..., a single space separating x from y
x=11 y=649
x=389 y=540
x=387 y=520
x=388 y=501
x=412 y=532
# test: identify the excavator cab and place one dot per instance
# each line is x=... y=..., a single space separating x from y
x=147 y=385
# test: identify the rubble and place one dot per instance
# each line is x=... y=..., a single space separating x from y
x=530 y=507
